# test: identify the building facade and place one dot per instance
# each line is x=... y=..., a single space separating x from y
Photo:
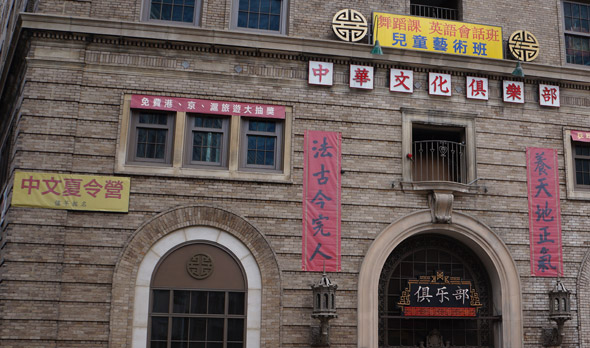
x=457 y=178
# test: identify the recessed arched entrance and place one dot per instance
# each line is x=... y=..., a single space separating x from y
x=433 y=285
x=503 y=276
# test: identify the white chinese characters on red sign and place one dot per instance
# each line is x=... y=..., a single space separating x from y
x=217 y=107
x=477 y=88
x=549 y=95
x=361 y=76
x=321 y=73
x=580 y=136
x=401 y=81
x=513 y=92
x=439 y=84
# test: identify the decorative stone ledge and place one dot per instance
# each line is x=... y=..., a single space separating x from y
x=442 y=186
x=288 y=47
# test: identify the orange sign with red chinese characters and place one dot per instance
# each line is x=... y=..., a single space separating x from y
x=71 y=192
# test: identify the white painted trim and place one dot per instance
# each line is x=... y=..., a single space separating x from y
x=197 y=233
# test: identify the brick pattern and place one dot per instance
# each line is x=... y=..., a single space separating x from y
x=67 y=276
x=150 y=232
x=306 y=19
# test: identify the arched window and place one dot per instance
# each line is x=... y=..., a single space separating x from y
x=198 y=299
x=425 y=255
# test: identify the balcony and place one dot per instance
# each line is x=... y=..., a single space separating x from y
x=438 y=160
x=434 y=12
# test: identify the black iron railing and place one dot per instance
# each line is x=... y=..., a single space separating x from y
x=434 y=12
x=438 y=160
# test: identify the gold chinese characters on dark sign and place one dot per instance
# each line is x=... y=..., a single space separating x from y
x=349 y=25
x=523 y=45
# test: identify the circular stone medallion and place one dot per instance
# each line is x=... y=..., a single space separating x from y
x=200 y=266
x=349 y=25
x=523 y=45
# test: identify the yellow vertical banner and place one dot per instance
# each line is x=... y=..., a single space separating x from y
x=437 y=35
x=71 y=192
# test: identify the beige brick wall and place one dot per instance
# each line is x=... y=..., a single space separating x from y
x=59 y=265
x=307 y=19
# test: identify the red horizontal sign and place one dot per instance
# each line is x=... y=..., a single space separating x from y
x=439 y=312
x=580 y=136
x=215 y=107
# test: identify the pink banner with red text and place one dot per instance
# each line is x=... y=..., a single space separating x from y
x=321 y=201
x=216 y=107
x=544 y=212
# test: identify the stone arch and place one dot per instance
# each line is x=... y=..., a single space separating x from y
x=583 y=302
x=128 y=322
x=481 y=239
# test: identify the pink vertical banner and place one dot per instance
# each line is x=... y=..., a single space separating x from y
x=321 y=201
x=544 y=212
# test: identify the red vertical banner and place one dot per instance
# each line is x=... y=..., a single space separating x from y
x=544 y=212
x=321 y=201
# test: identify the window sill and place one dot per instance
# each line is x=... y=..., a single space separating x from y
x=168 y=23
x=442 y=186
x=258 y=31
x=203 y=173
x=579 y=194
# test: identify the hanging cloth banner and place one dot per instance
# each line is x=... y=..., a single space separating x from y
x=544 y=212
x=321 y=201
x=71 y=191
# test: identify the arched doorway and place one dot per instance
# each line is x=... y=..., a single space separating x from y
x=506 y=301
x=444 y=262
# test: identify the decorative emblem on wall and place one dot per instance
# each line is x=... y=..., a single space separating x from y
x=349 y=25
x=523 y=45
x=200 y=266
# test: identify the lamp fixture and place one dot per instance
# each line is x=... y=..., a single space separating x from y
x=559 y=312
x=324 y=309
x=377 y=47
x=518 y=72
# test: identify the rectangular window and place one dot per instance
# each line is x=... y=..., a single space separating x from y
x=196 y=318
x=576 y=19
x=207 y=141
x=177 y=11
x=204 y=138
x=152 y=137
x=438 y=153
x=438 y=150
x=268 y=15
x=581 y=153
x=577 y=163
x=442 y=9
x=260 y=145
